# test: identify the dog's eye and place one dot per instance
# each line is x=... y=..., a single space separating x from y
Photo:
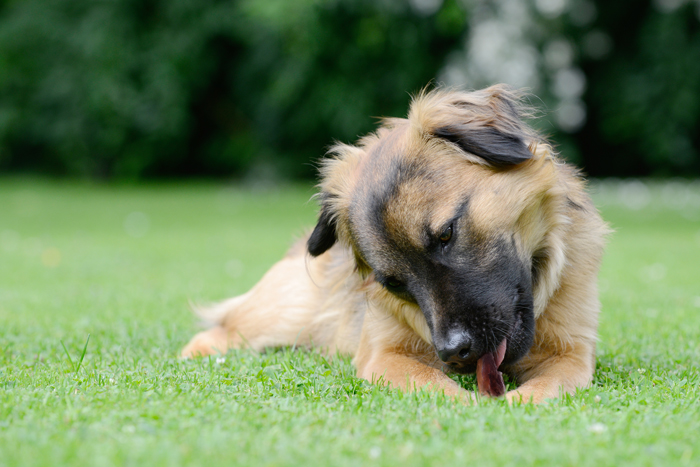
x=393 y=283
x=446 y=235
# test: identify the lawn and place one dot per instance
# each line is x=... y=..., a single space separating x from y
x=95 y=283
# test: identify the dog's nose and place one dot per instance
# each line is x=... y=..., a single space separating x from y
x=456 y=348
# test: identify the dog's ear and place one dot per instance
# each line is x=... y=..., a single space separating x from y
x=338 y=176
x=494 y=146
x=324 y=236
x=486 y=123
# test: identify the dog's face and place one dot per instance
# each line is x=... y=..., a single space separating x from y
x=445 y=211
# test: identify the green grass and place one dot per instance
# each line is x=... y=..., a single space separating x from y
x=118 y=265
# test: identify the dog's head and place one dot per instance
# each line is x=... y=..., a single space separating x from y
x=451 y=212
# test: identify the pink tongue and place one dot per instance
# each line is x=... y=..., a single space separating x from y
x=488 y=378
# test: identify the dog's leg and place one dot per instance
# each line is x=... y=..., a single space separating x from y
x=392 y=354
x=560 y=362
x=408 y=374
x=215 y=339
x=278 y=311
x=555 y=373
x=209 y=342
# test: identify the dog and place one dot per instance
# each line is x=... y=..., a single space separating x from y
x=452 y=241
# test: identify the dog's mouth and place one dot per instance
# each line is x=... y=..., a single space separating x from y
x=488 y=378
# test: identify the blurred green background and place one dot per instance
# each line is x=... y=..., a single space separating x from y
x=251 y=89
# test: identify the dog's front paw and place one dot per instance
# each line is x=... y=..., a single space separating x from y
x=519 y=396
x=535 y=394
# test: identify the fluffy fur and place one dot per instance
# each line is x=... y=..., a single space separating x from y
x=520 y=263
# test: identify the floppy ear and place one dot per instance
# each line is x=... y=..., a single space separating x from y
x=323 y=237
x=494 y=146
x=486 y=123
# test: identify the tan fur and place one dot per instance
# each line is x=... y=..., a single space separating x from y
x=332 y=302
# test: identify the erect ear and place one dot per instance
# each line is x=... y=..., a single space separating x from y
x=323 y=237
x=494 y=146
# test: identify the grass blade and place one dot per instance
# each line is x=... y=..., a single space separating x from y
x=68 y=354
x=83 y=355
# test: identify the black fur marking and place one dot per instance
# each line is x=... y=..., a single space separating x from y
x=539 y=261
x=479 y=287
x=323 y=237
x=574 y=205
x=488 y=299
x=399 y=174
x=498 y=148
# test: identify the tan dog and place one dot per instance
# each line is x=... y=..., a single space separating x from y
x=453 y=240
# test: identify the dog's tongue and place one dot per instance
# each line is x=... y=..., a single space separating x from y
x=488 y=378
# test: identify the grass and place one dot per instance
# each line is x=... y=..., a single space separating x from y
x=94 y=289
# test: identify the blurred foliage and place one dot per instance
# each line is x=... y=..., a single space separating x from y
x=130 y=89
x=139 y=88
x=644 y=96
